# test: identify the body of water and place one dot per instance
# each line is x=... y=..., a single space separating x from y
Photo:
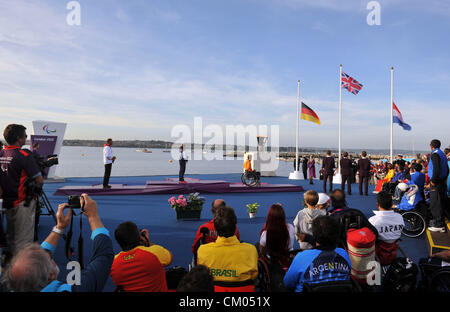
x=83 y=161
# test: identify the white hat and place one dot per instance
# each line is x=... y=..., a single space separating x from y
x=402 y=187
x=323 y=199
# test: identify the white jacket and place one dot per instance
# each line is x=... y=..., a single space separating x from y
x=107 y=155
x=389 y=225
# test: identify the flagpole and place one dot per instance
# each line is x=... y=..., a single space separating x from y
x=298 y=121
x=296 y=174
x=392 y=109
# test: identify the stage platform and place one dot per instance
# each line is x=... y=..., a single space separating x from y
x=172 y=186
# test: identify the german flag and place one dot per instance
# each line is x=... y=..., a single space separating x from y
x=309 y=114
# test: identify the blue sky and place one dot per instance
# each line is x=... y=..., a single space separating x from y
x=134 y=69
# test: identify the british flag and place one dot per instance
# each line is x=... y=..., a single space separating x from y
x=350 y=84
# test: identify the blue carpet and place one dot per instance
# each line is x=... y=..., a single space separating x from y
x=154 y=213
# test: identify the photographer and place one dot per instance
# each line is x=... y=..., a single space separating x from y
x=33 y=268
x=140 y=266
x=18 y=167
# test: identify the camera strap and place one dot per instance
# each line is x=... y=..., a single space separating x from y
x=69 y=251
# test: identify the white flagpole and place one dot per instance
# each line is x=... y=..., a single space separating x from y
x=340 y=117
x=298 y=121
x=392 y=116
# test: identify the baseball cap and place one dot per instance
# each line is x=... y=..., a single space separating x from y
x=323 y=199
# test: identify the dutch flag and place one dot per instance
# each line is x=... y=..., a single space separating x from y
x=397 y=118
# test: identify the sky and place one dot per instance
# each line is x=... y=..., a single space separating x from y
x=135 y=69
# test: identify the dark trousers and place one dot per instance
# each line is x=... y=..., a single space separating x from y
x=107 y=174
x=364 y=179
x=182 y=169
x=346 y=178
x=305 y=173
x=437 y=203
x=329 y=177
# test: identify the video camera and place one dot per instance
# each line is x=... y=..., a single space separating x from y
x=45 y=162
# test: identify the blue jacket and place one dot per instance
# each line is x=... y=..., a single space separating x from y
x=94 y=276
x=399 y=176
x=418 y=178
x=438 y=165
x=318 y=266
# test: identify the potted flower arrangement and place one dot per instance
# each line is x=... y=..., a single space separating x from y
x=252 y=209
x=187 y=208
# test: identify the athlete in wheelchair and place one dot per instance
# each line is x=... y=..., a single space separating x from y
x=413 y=208
x=250 y=177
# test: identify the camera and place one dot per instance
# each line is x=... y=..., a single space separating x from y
x=74 y=202
x=46 y=162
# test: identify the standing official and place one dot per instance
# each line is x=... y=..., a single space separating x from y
x=438 y=173
x=328 y=166
x=364 y=173
x=108 y=160
x=346 y=173
x=183 y=161
x=305 y=167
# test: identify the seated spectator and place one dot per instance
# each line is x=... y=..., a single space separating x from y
x=33 y=269
x=277 y=237
x=389 y=175
x=416 y=178
x=389 y=225
x=347 y=217
x=324 y=202
x=303 y=220
x=199 y=279
x=211 y=235
x=411 y=197
x=324 y=263
x=338 y=201
x=139 y=267
x=234 y=265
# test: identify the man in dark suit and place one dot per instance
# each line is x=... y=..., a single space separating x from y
x=346 y=173
x=364 y=173
x=305 y=167
x=328 y=166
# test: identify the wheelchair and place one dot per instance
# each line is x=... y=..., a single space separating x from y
x=415 y=219
x=251 y=178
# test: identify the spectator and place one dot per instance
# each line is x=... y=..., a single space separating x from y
x=33 y=269
x=277 y=237
x=303 y=220
x=210 y=235
x=417 y=178
x=139 y=267
x=324 y=263
x=234 y=265
x=338 y=201
x=389 y=175
x=19 y=167
x=324 y=202
x=199 y=279
x=437 y=172
x=388 y=223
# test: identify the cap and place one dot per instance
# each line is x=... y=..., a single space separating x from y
x=323 y=199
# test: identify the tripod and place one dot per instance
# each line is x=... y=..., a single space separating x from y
x=43 y=203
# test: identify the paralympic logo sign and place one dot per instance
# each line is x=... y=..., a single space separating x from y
x=47 y=130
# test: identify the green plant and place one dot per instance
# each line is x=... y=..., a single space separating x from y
x=252 y=208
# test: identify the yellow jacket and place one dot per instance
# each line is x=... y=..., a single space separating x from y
x=229 y=260
x=390 y=175
x=248 y=165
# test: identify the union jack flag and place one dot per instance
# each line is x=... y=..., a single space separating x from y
x=350 y=84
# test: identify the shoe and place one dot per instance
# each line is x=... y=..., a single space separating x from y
x=436 y=229
x=107 y=186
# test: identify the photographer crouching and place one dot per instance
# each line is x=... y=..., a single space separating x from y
x=33 y=269
x=18 y=167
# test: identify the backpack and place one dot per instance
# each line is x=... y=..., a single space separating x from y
x=401 y=276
